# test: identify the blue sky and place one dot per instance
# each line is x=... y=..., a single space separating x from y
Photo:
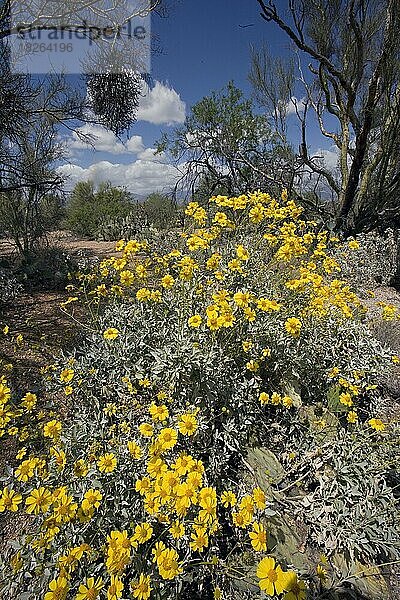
x=203 y=45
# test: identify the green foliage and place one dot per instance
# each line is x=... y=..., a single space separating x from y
x=87 y=209
x=161 y=211
x=226 y=144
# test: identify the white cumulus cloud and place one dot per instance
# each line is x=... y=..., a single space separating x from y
x=141 y=177
x=161 y=105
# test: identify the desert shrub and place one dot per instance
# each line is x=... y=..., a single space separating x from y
x=369 y=262
x=47 y=268
x=162 y=211
x=10 y=287
x=238 y=343
x=88 y=209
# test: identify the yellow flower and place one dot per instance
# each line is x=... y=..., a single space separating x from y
x=141 y=589
x=52 y=429
x=272 y=579
x=168 y=564
x=91 y=500
x=228 y=498
x=38 y=501
x=142 y=485
x=352 y=416
x=376 y=424
x=258 y=537
x=115 y=588
x=345 y=399
x=194 y=321
x=58 y=589
x=80 y=468
x=107 y=463
x=199 y=540
x=90 y=590
x=321 y=572
x=293 y=326
x=111 y=333
x=246 y=345
x=66 y=375
x=119 y=245
x=353 y=245
x=167 y=281
x=167 y=438
x=25 y=470
x=242 y=253
x=146 y=429
x=158 y=412
x=259 y=498
x=252 y=365
x=177 y=530
x=10 y=500
x=127 y=278
x=29 y=401
x=296 y=588
x=134 y=450
x=242 y=519
x=143 y=532
x=187 y=424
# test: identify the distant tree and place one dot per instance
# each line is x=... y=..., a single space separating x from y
x=161 y=211
x=88 y=208
x=225 y=143
x=28 y=178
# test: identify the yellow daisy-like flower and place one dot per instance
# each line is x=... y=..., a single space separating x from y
x=107 y=462
x=167 y=438
x=345 y=399
x=167 y=281
x=194 y=321
x=158 y=412
x=296 y=588
x=272 y=579
x=377 y=424
x=293 y=326
x=29 y=401
x=177 y=530
x=115 y=589
x=352 y=416
x=168 y=564
x=187 y=424
x=146 y=429
x=134 y=450
x=90 y=590
x=111 y=333
x=52 y=429
x=38 y=501
x=228 y=498
x=258 y=537
x=10 y=500
x=66 y=375
x=58 y=589
x=259 y=498
x=141 y=589
x=143 y=532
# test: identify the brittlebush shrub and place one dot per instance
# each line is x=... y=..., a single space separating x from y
x=239 y=336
